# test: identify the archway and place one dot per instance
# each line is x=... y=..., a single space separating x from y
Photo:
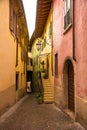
x=68 y=80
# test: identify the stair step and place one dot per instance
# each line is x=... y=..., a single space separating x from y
x=48 y=89
x=49 y=100
x=46 y=82
x=48 y=95
x=47 y=86
x=48 y=92
x=46 y=98
x=45 y=79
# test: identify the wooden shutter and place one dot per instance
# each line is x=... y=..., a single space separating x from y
x=67 y=13
x=50 y=30
x=11 y=15
x=19 y=34
x=15 y=23
x=16 y=54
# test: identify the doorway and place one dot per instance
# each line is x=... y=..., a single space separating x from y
x=68 y=78
x=29 y=79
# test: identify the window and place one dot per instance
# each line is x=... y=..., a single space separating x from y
x=17 y=54
x=13 y=19
x=17 y=81
x=19 y=34
x=67 y=13
x=23 y=53
x=50 y=30
x=56 y=65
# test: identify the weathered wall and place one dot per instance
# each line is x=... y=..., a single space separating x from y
x=62 y=42
x=7 y=58
x=63 y=46
x=7 y=49
x=81 y=57
x=81 y=47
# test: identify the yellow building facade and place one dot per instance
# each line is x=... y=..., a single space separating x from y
x=13 y=49
x=46 y=58
x=43 y=60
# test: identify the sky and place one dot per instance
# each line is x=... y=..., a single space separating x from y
x=30 y=11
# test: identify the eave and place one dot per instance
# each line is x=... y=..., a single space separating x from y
x=42 y=13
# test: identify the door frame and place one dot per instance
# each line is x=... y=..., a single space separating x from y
x=65 y=82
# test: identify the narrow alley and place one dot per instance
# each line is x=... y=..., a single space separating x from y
x=47 y=65
x=27 y=114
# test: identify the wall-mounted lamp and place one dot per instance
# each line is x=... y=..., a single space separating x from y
x=48 y=41
x=38 y=45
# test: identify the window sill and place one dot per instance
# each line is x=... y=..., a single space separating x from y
x=68 y=27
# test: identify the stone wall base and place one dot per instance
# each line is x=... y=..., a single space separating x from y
x=81 y=111
x=7 y=99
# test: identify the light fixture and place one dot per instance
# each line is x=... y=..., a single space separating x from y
x=38 y=45
x=48 y=41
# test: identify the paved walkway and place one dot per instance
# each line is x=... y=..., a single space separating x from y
x=27 y=114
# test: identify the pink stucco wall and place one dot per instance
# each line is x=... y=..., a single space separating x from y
x=81 y=47
x=63 y=43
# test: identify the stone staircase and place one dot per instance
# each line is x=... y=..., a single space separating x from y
x=48 y=91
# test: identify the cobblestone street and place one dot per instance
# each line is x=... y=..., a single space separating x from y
x=27 y=114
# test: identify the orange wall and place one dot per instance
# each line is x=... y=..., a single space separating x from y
x=7 y=48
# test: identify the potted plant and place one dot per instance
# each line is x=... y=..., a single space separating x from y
x=39 y=97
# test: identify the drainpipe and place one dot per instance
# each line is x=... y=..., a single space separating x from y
x=73 y=29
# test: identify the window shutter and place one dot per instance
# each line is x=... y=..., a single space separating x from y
x=11 y=16
x=16 y=54
x=67 y=13
x=19 y=34
x=23 y=53
x=50 y=30
x=15 y=23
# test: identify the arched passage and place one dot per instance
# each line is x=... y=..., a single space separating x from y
x=68 y=80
